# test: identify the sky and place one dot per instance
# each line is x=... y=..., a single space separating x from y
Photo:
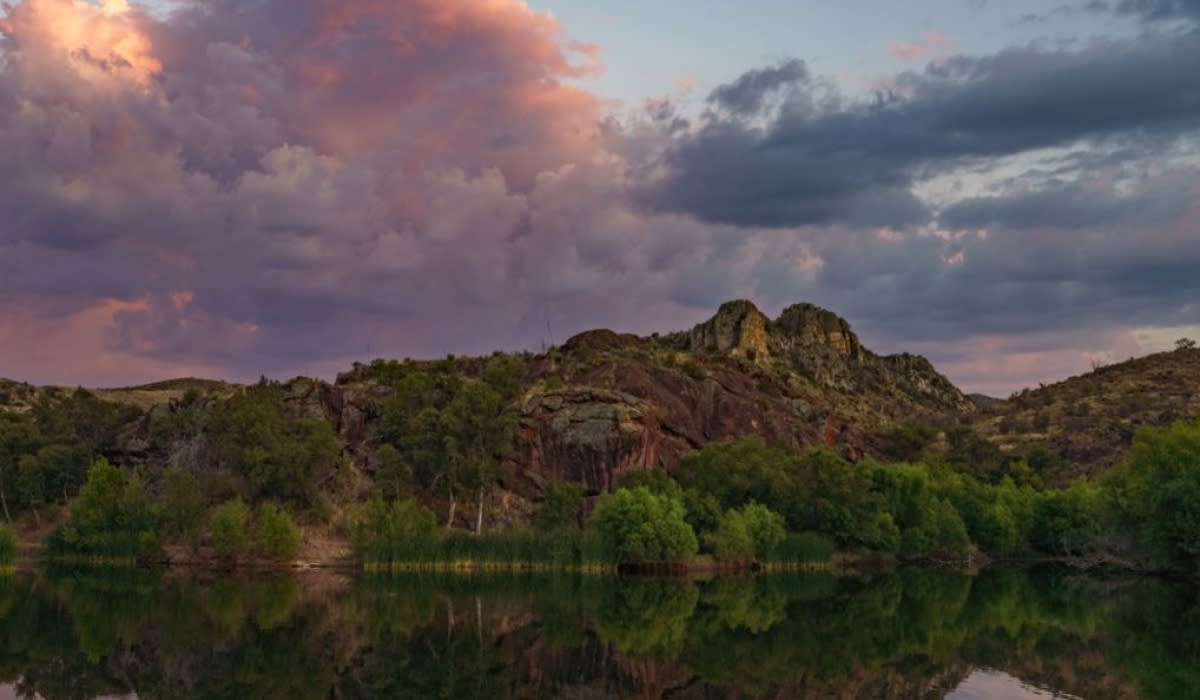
x=232 y=189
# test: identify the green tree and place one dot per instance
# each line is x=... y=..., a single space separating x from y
x=65 y=468
x=278 y=537
x=749 y=532
x=561 y=506
x=111 y=516
x=82 y=420
x=1157 y=488
x=641 y=526
x=229 y=524
x=181 y=508
x=31 y=482
x=454 y=431
x=18 y=437
x=1067 y=521
x=278 y=454
x=382 y=530
x=395 y=474
x=940 y=534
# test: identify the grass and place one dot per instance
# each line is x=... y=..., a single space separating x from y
x=517 y=551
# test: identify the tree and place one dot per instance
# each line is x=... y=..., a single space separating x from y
x=749 y=532
x=454 y=431
x=940 y=534
x=278 y=537
x=181 y=509
x=561 y=506
x=31 y=482
x=1158 y=493
x=379 y=528
x=641 y=526
x=277 y=454
x=65 y=468
x=111 y=516
x=18 y=437
x=82 y=420
x=395 y=475
x=1185 y=344
x=229 y=526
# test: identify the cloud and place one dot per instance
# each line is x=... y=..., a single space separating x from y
x=748 y=93
x=821 y=160
x=286 y=187
x=1160 y=10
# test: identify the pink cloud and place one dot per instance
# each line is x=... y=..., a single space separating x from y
x=934 y=45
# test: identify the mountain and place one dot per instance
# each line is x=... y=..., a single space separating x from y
x=1085 y=423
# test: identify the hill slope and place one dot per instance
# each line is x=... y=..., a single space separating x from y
x=1088 y=421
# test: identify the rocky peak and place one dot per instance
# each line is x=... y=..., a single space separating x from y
x=739 y=329
x=808 y=327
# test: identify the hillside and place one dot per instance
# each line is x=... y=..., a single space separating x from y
x=1087 y=422
x=605 y=404
x=599 y=406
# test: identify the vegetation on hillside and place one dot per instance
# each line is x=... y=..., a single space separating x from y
x=236 y=470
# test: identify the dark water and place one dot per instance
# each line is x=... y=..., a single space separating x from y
x=86 y=634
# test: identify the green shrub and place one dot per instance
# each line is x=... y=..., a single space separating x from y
x=1158 y=494
x=941 y=534
x=229 y=524
x=110 y=518
x=1066 y=521
x=391 y=531
x=641 y=526
x=181 y=509
x=803 y=547
x=747 y=533
x=278 y=538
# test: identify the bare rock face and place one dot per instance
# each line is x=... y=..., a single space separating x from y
x=739 y=329
x=819 y=345
x=582 y=434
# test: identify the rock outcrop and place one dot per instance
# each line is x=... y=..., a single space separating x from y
x=819 y=345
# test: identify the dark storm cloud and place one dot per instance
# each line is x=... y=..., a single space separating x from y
x=748 y=93
x=1158 y=10
x=856 y=163
x=1070 y=206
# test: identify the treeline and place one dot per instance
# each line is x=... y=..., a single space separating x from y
x=45 y=453
x=750 y=501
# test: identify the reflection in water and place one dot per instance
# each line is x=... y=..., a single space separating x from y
x=996 y=685
x=88 y=634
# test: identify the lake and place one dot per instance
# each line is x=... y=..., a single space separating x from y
x=913 y=634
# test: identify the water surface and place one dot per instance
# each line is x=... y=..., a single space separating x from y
x=1020 y=635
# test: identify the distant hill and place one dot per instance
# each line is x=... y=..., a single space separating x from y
x=20 y=396
x=1088 y=421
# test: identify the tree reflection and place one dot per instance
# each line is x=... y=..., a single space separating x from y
x=85 y=633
